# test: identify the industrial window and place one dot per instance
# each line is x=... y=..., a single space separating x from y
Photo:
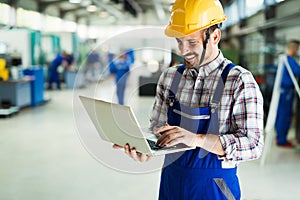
x=253 y=6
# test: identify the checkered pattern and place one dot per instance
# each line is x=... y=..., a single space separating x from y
x=240 y=109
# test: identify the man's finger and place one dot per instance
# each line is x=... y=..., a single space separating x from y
x=127 y=149
x=167 y=137
x=174 y=141
x=116 y=146
x=144 y=158
x=164 y=129
x=134 y=155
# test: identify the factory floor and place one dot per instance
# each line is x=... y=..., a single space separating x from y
x=52 y=152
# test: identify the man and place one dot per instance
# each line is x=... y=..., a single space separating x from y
x=93 y=66
x=121 y=70
x=208 y=103
x=65 y=60
x=286 y=99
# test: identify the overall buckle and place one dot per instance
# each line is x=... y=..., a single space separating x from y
x=171 y=100
x=214 y=106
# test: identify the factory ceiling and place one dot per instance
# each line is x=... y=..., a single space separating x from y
x=103 y=12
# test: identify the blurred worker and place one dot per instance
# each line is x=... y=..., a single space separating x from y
x=121 y=67
x=93 y=66
x=207 y=103
x=287 y=90
x=130 y=54
x=63 y=59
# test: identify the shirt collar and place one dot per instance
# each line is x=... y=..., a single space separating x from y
x=213 y=65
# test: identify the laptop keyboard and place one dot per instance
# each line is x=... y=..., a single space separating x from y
x=153 y=145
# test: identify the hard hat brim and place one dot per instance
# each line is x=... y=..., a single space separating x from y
x=170 y=32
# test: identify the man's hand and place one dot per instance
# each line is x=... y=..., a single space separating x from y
x=131 y=152
x=172 y=135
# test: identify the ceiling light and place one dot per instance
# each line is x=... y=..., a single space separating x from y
x=91 y=8
x=74 y=1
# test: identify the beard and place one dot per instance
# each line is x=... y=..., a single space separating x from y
x=191 y=63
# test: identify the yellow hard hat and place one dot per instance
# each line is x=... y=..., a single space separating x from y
x=189 y=16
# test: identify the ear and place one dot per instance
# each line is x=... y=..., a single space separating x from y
x=215 y=36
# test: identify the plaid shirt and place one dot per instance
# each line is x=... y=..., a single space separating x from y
x=240 y=109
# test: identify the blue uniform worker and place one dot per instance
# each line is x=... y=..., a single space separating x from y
x=63 y=59
x=93 y=66
x=287 y=91
x=121 y=70
x=207 y=103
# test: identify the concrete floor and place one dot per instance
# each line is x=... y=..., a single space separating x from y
x=52 y=152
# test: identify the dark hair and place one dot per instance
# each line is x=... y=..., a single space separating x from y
x=214 y=27
x=293 y=42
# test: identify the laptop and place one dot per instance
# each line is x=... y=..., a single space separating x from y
x=117 y=124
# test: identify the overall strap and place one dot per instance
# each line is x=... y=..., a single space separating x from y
x=175 y=83
x=221 y=83
x=214 y=122
x=219 y=89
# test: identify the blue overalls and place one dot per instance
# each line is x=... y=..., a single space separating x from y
x=286 y=100
x=123 y=68
x=196 y=174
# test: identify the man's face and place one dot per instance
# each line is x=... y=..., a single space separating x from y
x=293 y=49
x=296 y=48
x=191 y=48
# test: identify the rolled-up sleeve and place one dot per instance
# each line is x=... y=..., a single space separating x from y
x=245 y=139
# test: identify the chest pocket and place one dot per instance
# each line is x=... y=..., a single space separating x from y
x=196 y=120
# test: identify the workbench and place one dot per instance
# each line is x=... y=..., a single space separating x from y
x=16 y=92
